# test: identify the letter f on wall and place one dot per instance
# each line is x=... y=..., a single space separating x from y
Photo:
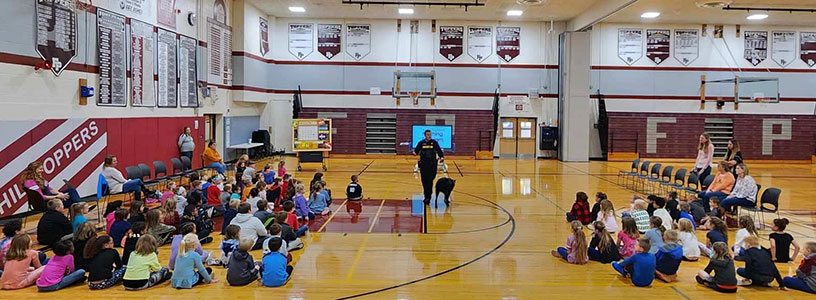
x=651 y=132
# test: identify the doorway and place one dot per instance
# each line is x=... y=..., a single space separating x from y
x=518 y=137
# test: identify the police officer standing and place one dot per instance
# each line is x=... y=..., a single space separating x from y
x=427 y=150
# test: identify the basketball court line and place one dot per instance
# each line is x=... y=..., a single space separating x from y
x=366 y=167
x=334 y=213
x=680 y=293
x=458 y=169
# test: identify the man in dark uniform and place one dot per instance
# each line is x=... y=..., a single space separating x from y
x=427 y=150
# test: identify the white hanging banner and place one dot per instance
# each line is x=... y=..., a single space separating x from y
x=301 y=39
x=358 y=40
x=188 y=78
x=480 y=42
x=756 y=46
x=686 y=45
x=111 y=41
x=167 y=68
x=264 y=28
x=630 y=44
x=783 y=47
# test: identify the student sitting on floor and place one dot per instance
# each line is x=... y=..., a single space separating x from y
x=120 y=227
x=602 y=247
x=292 y=219
x=229 y=214
x=275 y=271
x=170 y=216
x=781 y=242
x=77 y=213
x=687 y=237
x=251 y=227
x=685 y=213
x=254 y=197
x=176 y=245
x=268 y=174
x=10 y=230
x=724 y=279
x=575 y=250
x=805 y=279
x=59 y=272
x=640 y=266
x=627 y=237
x=673 y=206
x=655 y=234
x=606 y=214
x=640 y=215
x=301 y=205
x=143 y=268
x=20 y=256
x=759 y=266
x=318 y=200
x=53 y=224
x=596 y=208
x=105 y=268
x=580 y=209
x=129 y=243
x=717 y=232
x=274 y=231
x=189 y=271
x=263 y=212
x=162 y=233
x=668 y=257
x=716 y=210
x=83 y=234
x=292 y=240
x=746 y=224
x=354 y=191
x=241 y=269
x=663 y=213
x=230 y=242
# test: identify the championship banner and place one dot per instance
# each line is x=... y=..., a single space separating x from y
x=756 y=46
x=301 y=40
x=166 y=13
x=142 y=64
x=328 y=39
x=264 y=26
x=188 y=79
x=69 y=149
x=807 y=48
x=358 y=40
x=783 y=47
x=111 y=43
x=686 y=45
x=630 y=44
x=168 y=69
x=508 y=42
x=451 y=41
x=480 y=42
x=56 y=33
x=658 y=43
x=219 y=45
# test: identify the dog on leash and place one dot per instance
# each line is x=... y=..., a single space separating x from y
x=445 y=186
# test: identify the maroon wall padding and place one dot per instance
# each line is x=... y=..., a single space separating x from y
x=351 y=131
x=681 y=137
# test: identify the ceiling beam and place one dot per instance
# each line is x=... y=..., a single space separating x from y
x=597 y=13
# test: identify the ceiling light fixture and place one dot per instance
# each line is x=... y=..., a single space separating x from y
x=514 y=13
x=650 y=15
x=755 y=17
x=297 y=9
x=406 y=11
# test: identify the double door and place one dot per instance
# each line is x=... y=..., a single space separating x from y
x=517 y=137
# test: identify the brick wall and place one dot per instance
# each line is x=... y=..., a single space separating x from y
x=351 y=131
x=760 y=136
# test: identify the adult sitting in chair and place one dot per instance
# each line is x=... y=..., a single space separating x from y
x=744 y=192
x=733 y=156
x=117 y=182
x=720 y=187
x=54 y=225
x=33 y=180
x=212 y=159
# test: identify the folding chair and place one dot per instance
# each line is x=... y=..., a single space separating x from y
x=643 y=174
x=692 y=179
x=680 y=176
x=633 y=171
x=769 y=197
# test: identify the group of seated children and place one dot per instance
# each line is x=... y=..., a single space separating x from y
x=654 y=240
x=256 y=215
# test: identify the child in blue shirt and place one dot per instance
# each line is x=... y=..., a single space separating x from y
x=640 y=267
x=120 y=227
x=275 y=272
x=685 y=208
x=655 y=234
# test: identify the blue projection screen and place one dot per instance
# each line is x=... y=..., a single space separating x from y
x=443 y=134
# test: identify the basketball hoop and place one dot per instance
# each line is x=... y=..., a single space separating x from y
x=414 y=96
x=43 y=65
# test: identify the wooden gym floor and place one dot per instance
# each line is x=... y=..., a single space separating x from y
x=493 y=242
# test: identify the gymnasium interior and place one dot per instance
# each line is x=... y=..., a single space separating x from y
x=531 y=102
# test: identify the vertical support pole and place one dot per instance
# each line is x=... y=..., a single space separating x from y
x=702 y=91
x=736 y=92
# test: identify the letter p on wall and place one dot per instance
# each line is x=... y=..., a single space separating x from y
x=768 y=135
x=652 y=134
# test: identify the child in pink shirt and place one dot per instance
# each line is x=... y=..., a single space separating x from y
x=20 y=257
x=53 y=277
x=281 y=168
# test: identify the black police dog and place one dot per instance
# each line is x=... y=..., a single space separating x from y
x=445 y=186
